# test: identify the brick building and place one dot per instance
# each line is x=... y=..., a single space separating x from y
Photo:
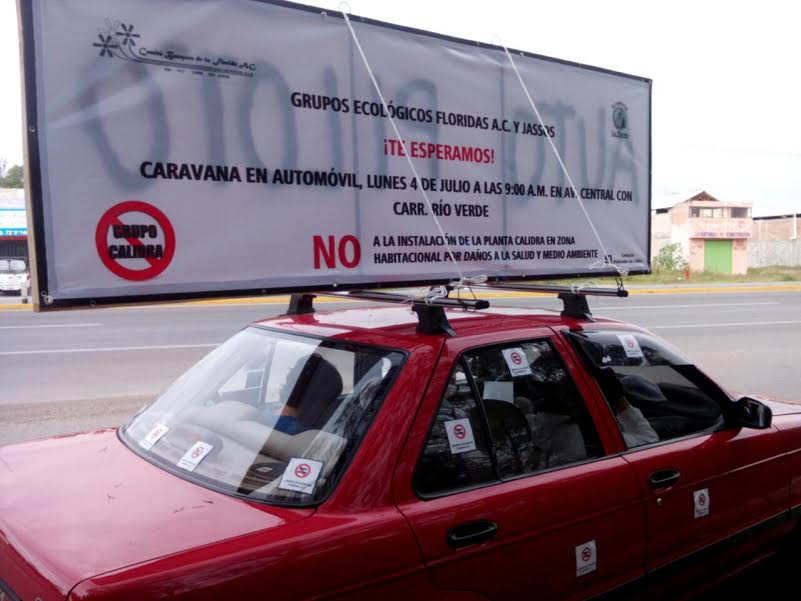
x=778 y=227
x=713 y=235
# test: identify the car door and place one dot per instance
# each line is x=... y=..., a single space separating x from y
x=715 y=495
x=495 y=514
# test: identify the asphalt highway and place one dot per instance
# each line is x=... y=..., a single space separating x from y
x=74 y=370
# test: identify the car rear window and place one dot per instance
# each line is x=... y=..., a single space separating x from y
x=268 y=415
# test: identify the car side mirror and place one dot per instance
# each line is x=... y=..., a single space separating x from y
x=753 y=414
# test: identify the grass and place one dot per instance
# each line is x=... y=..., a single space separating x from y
x=760 y=274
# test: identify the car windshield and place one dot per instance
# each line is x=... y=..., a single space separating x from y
x=12 y=266
x=270 y=416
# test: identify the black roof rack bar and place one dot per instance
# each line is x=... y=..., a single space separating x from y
x=301 y=304
x=575 y=306
x=430 y=313
x=577 y=290
x=395 y=297
x=573 y=297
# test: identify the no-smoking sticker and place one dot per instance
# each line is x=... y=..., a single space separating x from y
x=701 y=503
x=586 y=558
x=517 y=362
x=195 y=455
x=153 y=436
x=460 y=436
x=301 y=475
x=135 y=240
x=630 y=346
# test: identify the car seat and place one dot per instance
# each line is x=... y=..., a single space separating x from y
x=514 y=446
x=316 y=392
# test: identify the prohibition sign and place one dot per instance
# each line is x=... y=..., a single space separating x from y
x=702 y=500
x=516 y=358
x=459 y=431
x=111 y=218
x=302 y=470
x=197 y=452
x=586 y=554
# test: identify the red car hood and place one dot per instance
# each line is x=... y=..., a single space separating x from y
x=77 y=506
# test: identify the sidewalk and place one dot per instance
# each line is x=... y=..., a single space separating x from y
x=634 y=289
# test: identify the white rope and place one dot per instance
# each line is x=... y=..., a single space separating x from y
x=599 y=264
x=435 y=294
x=577 y=288
x=466 y=282
x=400 y=139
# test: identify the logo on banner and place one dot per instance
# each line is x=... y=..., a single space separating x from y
x=135 y=240
x=119 y=40
x=620 y=120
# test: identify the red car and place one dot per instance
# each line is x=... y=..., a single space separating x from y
x=385 y=453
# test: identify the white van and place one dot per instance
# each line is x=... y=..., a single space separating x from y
x=13 y=275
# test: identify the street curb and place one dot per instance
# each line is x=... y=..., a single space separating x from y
x=284 y=299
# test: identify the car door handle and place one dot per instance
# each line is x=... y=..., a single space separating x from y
x=663 y=478
x=471 y=533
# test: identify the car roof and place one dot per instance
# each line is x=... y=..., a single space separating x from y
x=396 y=325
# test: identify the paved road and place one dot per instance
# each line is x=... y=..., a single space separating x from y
x=72 y=370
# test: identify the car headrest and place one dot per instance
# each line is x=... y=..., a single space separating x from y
x=639 y=389
x=316 y=391
x=511 y=432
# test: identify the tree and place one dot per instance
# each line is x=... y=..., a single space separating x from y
x=13 y=178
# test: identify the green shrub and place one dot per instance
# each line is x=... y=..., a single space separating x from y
x=669 y=258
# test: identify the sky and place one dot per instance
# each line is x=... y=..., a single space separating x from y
x=726 y=78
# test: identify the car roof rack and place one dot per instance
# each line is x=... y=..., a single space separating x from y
x=573 y=297
x=430 y=311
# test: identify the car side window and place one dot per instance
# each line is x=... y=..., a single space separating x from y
x=456 y=455
x=536 y=415
x=654 y=393
x=517 y=412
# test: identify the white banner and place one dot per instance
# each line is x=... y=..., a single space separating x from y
x=231 y=145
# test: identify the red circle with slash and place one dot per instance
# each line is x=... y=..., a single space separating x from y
x=111 y=218
x=302 y=470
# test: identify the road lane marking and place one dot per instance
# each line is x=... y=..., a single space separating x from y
x=688 y=306
x=108 y=349
x=724 y=325
x=53 y=325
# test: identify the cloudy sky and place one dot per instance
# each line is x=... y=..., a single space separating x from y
x=726 y=92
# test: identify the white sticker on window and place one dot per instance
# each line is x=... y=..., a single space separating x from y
x=630 y=345
x=500 y=391
x=195 y=455
x=460 y=436
x=701 y=503
x=586 y=558
x=153 y=436
x=517 y=362
x=301 y=475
